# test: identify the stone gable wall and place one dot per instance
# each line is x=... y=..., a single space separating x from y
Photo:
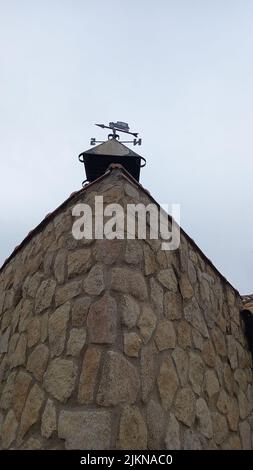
x=118 y=344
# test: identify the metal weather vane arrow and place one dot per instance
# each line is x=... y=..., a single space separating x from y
x=118 y=126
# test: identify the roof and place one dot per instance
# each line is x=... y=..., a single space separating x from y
x=77 y=194
x=111 y=147
x=247 y=302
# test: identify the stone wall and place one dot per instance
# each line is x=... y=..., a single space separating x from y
x=118 y=344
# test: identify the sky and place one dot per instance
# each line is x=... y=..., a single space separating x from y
x=178 y=71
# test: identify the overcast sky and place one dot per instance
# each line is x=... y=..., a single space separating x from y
x=178 y=71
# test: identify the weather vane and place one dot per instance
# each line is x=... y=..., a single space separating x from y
x=117 y=127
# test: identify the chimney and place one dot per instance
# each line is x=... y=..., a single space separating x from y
x=96 y=160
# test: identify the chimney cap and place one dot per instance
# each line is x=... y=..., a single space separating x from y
x=97 y=159
x=111 y=147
